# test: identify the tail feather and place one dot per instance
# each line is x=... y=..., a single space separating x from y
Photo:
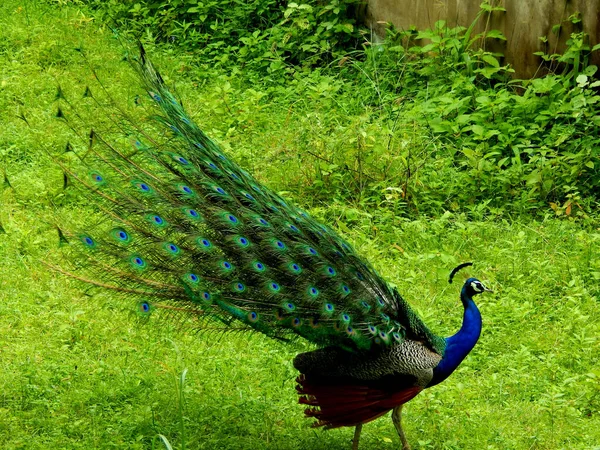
x=181 y=223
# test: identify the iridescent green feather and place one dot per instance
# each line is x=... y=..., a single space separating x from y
x=188 y=230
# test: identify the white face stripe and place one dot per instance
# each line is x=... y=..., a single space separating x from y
x=477 y=287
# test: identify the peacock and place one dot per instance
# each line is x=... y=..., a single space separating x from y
x=185 y=230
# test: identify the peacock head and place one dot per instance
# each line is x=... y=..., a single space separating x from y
x=473 y=287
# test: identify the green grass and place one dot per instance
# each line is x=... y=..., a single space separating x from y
x=80 y=371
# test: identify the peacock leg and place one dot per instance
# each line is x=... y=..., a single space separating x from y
x=357 y=431
x=397 y=419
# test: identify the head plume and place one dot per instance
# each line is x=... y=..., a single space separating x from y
x=457 y=269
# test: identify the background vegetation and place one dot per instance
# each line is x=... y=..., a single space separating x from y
x=445 y=119
x=423 y=156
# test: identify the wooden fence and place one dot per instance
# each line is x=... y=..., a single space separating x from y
x=523 y=23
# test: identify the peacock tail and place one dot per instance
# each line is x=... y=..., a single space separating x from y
x=185 y=229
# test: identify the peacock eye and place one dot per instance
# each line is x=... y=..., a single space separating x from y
x=477 y=286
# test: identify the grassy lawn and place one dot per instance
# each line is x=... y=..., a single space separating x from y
x=79 y=370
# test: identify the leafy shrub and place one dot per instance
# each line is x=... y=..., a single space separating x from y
x=422 y=122
x=449 y=130
x=270 y=34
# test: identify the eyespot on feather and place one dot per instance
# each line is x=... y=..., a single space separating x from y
x=180 y=159
x=219 y=190
x=248 y=196
x=278 y=245
x=137 y=144
x=241 y=241
x=289 y=306
x=171 y=249
x=142 y=187
x=97 y=178
x=87 y=241
x=294 y=268
x=211 y=165
x=385 y=338
x=230 y=219
x=192 y=214
x=313 y=292
x=137 y=262
x=191 y=278
x=262 y=222
x=145 y=308
x=226 y=266
x=311 y=251
x=157 y=98
x=120 y=235
x=239 y=287
x=273 y=287
x=204 y=244
x=156 y=220
x=185 y=190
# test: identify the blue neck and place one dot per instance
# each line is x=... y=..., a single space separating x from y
x=459 y=345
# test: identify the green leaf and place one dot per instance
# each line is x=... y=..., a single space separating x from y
x=488 y=72
x=590 y=70
x=348 y=27
x=582 y=80
x=477 y=129
x=491 y=60
x=495 y=34
x=533 y=178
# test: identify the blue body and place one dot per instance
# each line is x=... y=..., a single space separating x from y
x=459 y=345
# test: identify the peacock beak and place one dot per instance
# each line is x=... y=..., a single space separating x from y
x=485 y=289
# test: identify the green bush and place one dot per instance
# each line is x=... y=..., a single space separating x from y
x=444 y=127
x=268 y=34
x=423 y=122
